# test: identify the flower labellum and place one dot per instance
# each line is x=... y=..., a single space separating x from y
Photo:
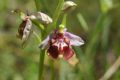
x=59 y=44
x=24 y=29
x=68 y=6
x=42 y=17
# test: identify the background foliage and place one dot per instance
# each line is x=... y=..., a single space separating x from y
x=96 y=21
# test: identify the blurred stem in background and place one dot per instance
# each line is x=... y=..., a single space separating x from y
x=111 y=70
x=82 y=21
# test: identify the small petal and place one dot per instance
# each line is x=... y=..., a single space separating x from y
x=53 y=51
x=44 y=43
x=74 y=40
x=68 y=53
x=27 y=30
x=21 y=28
x=44 y=18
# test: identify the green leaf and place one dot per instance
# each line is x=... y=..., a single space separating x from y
x=37 y=3
x=82 y=21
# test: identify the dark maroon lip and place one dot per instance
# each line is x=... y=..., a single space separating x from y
x=55 y=50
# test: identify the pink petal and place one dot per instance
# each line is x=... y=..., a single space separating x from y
x=27 y=30
x=68 y=53
x=44 y=43
x=74 y=40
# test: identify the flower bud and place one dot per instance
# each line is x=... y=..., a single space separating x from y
x=106 y=5
x=43 y=18
x=68 y=6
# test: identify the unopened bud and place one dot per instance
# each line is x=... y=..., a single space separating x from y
x=68 y=6
x=42 y=17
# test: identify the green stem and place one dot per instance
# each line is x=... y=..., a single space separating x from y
x=52 y=70
x=56 y=15
x=42 y=52
x=41 y=63
x=64 y=19
x=37 y=36
x=57 y=12
x=40 y=26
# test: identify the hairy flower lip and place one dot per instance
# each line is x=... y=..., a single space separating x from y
x=57 y=43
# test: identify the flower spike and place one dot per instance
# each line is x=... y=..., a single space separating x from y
x=42 y=17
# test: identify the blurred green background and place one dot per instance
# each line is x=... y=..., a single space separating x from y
x=96 y=21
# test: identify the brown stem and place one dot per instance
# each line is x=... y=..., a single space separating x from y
x=111 y=70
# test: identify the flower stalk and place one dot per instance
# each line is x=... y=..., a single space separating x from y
x=64 y=19
x=57 y=12
x=42 y=52
x=41 y=64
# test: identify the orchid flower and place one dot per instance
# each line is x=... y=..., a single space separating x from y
x=24 y=29
x=59 y=44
